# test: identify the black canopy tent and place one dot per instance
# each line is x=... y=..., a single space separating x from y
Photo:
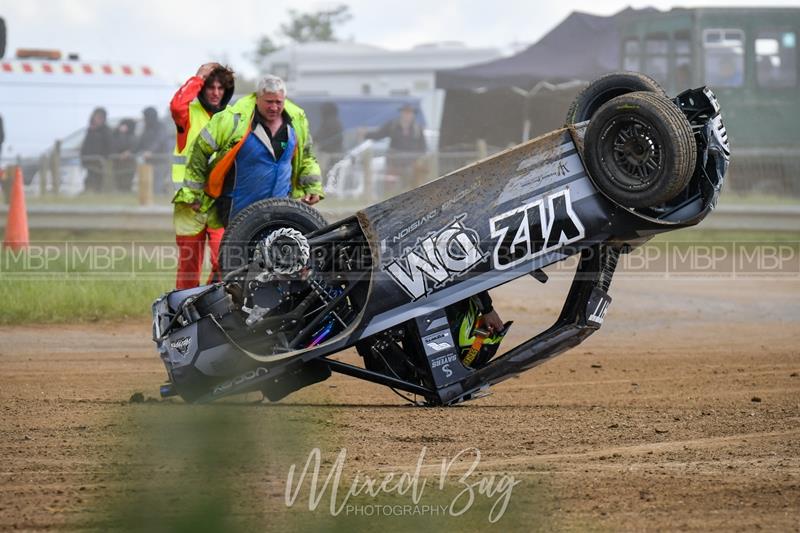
x=518 y=97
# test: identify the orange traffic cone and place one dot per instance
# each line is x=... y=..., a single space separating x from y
x=17 y=223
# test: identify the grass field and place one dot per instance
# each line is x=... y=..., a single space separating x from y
x=67 y=277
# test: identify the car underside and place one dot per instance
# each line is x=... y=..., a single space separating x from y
x=392 y=279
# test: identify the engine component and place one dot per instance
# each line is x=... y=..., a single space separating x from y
x=285 y=251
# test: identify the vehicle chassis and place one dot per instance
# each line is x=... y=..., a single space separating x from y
x=539 y=191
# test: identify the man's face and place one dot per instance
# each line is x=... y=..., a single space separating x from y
x=407 y=116
x=270 y=105
x=97 y=120
x=213 y=93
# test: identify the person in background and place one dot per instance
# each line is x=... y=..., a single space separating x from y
x=123 y=164
x=200 y=98
x=328 y=138
x=95 y=148
x=405 y=135
x=261 y=148
x=406 y=145
x=153 y=147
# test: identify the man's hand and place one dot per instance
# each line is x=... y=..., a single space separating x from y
x=493 y=321
x=311 y=199
x=205 y=70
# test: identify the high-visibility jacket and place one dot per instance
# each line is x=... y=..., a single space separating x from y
x=186 y=220
x=198 y=118
x=224 y=135
x=190 y=118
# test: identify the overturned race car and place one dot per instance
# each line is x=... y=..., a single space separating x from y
x=400 y=280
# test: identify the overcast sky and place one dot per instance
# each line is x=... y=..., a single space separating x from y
x=175 y=36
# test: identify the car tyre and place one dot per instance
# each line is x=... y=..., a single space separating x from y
x=639 y=149
x=604 y=89
x=258 y=220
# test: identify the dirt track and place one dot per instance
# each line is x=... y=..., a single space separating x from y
x=682 y=413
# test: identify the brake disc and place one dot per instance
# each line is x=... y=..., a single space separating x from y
x=285 y=251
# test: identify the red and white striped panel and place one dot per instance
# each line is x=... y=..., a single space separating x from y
x=57 y=67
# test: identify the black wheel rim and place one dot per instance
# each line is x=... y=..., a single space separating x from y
x=632 y=153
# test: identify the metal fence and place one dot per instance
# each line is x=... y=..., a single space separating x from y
x=354 y=179
x=368 y=176
x=71 y=178
x=766 y=171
